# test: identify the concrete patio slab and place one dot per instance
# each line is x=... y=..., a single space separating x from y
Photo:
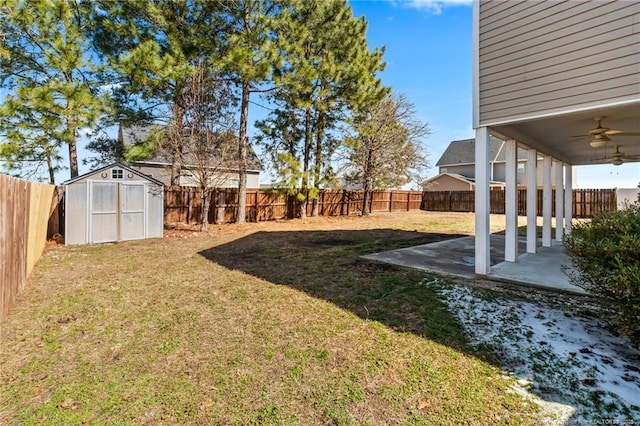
x=547 y=268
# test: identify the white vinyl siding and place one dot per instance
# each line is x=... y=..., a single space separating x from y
x=541 y=57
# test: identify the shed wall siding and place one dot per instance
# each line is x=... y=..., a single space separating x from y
x=548 y=56
x=106 y=206
x=76 y=214
x=155 y=224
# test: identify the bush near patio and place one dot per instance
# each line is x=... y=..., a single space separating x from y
x=606 y=254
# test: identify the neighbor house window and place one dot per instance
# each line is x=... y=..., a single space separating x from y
x=521 y=168
x=117 y=174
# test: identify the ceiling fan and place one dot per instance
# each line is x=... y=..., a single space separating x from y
x=617 y=158
x=600 y=135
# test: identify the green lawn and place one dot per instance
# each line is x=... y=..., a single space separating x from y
x=271 y=323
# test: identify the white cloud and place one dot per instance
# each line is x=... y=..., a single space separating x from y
x=432 y=6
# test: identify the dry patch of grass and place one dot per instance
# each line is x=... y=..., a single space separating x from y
x=271 y=323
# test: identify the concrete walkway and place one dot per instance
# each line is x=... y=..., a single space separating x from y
x=456 y=258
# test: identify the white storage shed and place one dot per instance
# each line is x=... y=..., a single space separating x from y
x=114 y=203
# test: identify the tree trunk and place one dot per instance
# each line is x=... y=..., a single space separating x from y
x=176 y=169
x=176 y=144
x=365 y=202
x=73 y=159
x=367 y=184
x=73 y=149
x=305 y=165
x=52 y=172
x=242 y=155
x=204 y=215
x=318 y=166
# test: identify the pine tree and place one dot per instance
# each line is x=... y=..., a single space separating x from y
x=152 y=48
x=249 y=61
x=52 y=89
x=327 y=72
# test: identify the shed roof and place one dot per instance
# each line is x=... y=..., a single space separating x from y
x=116 y=164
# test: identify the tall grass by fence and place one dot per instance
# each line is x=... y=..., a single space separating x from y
x=586 y=202
x=184 y=205
x=25 y=208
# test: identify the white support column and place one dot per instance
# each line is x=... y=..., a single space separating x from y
x=532 y=200
x=568 y=198
x=511 y=202
x=559 y=200
x=482 y=231
x=546 y=201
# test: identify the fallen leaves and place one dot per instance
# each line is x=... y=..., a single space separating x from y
x=206 y=403
x=68 y=404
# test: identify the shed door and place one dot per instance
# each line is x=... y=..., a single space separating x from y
x=117 y=211
x=103 y=212
x=132 y=211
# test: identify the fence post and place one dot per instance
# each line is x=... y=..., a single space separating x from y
x=390 y=200
x=220 y=206
x=348 y=201
x=257 y=206
x=188 y=206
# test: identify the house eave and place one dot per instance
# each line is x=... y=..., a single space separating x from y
x=187 y=166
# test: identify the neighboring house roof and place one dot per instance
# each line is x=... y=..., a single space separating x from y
x=463 y=152
x=462 y=178
x=136 y=134
x=116 y=164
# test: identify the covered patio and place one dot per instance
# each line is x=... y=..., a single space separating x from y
x=564 y=140
x=559 y=80
x=548 y=268
x=539 y=86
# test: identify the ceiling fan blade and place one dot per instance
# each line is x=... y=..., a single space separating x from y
x=611 y=132
x=624 y=134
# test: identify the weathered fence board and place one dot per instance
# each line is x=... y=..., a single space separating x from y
x=586 y=202
x=25 y=208
x=184 y=204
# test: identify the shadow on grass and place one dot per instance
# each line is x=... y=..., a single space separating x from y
x=327 y=265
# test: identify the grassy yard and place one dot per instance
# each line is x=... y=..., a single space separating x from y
x=270 y=323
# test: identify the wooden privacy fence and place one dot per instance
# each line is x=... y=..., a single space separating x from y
x=184 y=204
x=25 y=208
x=586 y=202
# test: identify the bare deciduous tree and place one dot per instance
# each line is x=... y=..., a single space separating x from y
x=387 y=149
x=200 y=138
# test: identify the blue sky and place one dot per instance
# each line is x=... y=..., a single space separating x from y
x=429 y=58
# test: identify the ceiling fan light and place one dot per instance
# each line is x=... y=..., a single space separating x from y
x=598 y=143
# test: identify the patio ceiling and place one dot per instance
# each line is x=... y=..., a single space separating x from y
x=552 y=135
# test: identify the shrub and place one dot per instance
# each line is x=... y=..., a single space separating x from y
x=606 y=255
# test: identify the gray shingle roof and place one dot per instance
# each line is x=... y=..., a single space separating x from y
x=136 y=134
x=464 y=152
